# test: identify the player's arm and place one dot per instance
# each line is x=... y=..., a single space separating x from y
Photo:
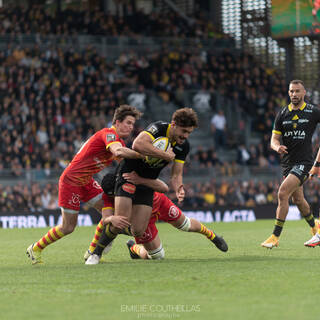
x=143 y=144
x=154 y=184
x=315 y=170
x=275 y=143
x=176 y=180
x=117 y=221
x=119 y=151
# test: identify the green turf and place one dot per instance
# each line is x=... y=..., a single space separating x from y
x=195 y=281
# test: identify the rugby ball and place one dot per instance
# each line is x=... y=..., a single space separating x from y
x=161 y=143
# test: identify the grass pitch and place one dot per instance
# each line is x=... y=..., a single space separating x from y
x=195 y=281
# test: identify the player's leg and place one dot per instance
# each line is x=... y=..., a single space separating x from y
x=141 y=211
x=187 y=224
x=106 y=212
x=105 y=205
x=69 y=201
x=148 y=250
x=289 y=185
x=123 y=207
x=304 y=208
x=69 y=222
x=140 y=218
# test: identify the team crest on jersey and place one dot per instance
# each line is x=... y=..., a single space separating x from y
x=111 y=137
x=173 y=212
x=129 y=188
x=153 y=129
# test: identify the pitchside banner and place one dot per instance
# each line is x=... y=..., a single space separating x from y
x=92 y=217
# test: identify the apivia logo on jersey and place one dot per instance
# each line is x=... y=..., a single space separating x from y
x=295 y=134
x=227 y=214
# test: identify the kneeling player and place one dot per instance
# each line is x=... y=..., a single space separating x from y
x=149 y=245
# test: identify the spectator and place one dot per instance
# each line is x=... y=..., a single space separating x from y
x=218 y=128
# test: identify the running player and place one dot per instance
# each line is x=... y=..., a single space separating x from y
x=131 y=199
x=315 y=172
x=163 y=209
x=294 y=125
x=76 y=182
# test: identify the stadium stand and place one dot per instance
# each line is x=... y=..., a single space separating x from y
x=52 y=98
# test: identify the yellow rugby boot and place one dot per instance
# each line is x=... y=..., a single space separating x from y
x=271 y=242
x=35 y=256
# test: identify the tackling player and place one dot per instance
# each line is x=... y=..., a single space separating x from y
x=163 y=209
x=291 y=138
x=76 y=182
x=135 y=202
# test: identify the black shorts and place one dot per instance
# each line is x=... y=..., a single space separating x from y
x=301 y=171
x=139 y=194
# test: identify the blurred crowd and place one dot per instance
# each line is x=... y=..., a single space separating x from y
x=36 y=198
x=52 y=100
x=131 y=22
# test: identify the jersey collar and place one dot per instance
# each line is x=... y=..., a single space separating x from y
x=301 y=108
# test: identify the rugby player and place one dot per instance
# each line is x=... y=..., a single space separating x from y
x=76 y=182
x=135 y=202
x=291 y=138
x=149 y=246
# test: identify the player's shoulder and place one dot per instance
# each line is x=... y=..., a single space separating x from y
x=310 y=107
x=284 y=110
x=157 y=128
x=183 y=148
x=109 y=134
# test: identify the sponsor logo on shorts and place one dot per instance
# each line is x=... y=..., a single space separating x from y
x=173 y=212
x=130 y=188
x=96 y=185
x=75 y=199
x=147 y=235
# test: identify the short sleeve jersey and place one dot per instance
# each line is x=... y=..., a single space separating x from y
x=296 y=128
x=92 y=157
x=152 y=171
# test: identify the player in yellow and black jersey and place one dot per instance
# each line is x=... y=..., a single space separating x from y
x=135 y=202
x=292 y=139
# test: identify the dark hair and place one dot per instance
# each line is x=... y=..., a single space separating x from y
x=108 y=183
x=185 y=117
x=297 y=82
x=125 y=110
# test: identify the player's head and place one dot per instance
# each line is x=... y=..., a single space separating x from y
x=183 y=122
x=124 y=119
x=296 y=92
x=107 y=184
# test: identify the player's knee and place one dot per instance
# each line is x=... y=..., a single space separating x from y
x=157 y=254
x=185 y=225
x=297 y=201
x=67 y=229
x=283 y=195
x=137 y=232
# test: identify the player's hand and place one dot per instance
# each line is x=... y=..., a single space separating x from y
x=119 y=222
x=282 y=149
x=314 y=172
x=132 y=177
x=170 y=155
x=180 y=194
